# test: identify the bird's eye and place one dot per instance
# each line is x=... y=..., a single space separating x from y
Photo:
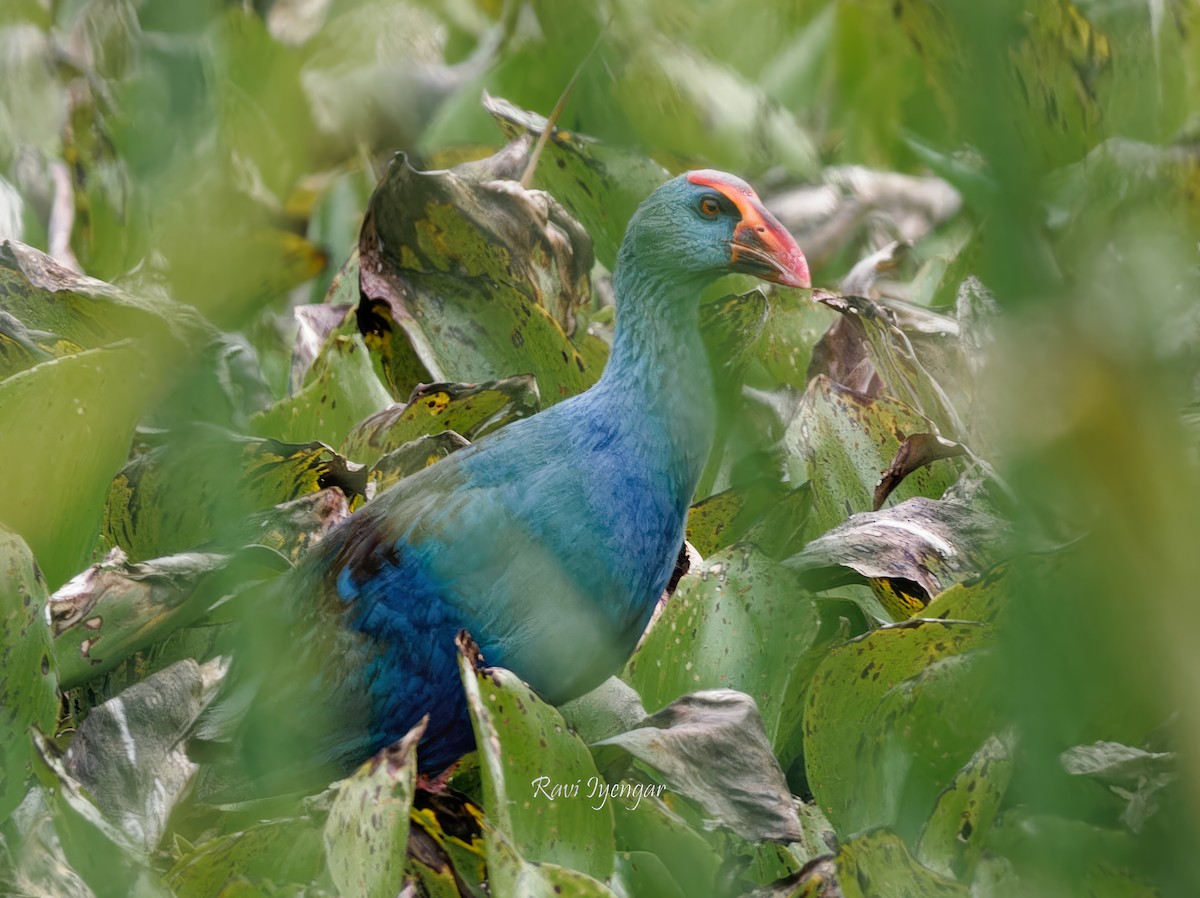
x=710 y=207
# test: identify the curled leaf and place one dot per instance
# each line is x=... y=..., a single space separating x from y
x=129 y=754
x=917 y=451
x=711 y=747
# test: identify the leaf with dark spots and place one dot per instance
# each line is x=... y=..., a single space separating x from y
x=200 y=485
x=710 y=521
x=292 y=528
x=601 y=185
x=731 y=325
x=916 y=451
x=413 y=456
x=366 y=833
x=890 y=350
x=928 y=543
x=315 y=324
x=462 y=264
x=711 y=747
x=115 y=608
x=816 y=879
x=892 y=716
x=64 y=312
x=739 y=621
x=844 y=441
x=536 y=776
x=955 y=834
x=468 y=409
x=129 y=754
x=878 y=863
x=342 y=390
x=27 y=685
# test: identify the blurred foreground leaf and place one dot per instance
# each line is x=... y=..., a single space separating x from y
x=129 y=752
x=27 y=690
x=65 y=429
x=199 y=486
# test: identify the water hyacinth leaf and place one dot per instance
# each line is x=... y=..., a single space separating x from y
x=902 y=372
x=652 y=827
x=469 y=409
x=65 y=428
x=710 y=521
x=285 y=850
x=918 y=548
x=851 y=439
x=413 y=456
x=292 y=528
x=129 y=753
x=510 y=874
x=27 y=690
x=200 y=485
x=525 y=750
x=610 y=708
x=980 y=598
x=789 y=341
x=107 y=859
x=1136 y=775
x=39 y=868
x=817 y=879
x=954 y=836
x=917 y=451
x=483 y=277
x=602 y=186
x=643 y=873
x=67 y=312
x=114 y=608
x=877 y=863
x=342 y=390
x=863 y=770
x=841 y=355
x=315 y=324
x=711 y=747
x=731 y=325
x=739 y=622
x=366 y=833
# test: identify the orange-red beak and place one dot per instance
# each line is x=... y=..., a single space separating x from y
x=761 y=246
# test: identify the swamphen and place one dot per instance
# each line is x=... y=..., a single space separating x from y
x=549 y=541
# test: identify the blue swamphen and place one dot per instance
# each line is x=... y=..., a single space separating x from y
x=549 y=541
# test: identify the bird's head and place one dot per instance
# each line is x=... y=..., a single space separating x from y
x=710 y=223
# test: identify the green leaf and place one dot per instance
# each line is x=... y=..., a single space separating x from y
x=114 y=608
x=845 y=442
x=482 y=277
x=740 y=622
x=286 y=850
x=27 y=689
x=863 y=769
x=200 y=486
x=601 y=185
x=525 y=752
x=65 y=428
x=877 y=864
x=413 y=456
x=341 y=392
x=652 y=827
x=644 y=875
x=709 y=522
x=366 y=834
x=954 y=835
x=64 y=313
x=468 y=409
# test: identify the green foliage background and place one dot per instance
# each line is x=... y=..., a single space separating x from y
x=1032 y=731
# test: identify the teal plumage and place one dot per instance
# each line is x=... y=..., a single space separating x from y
x=549 y=541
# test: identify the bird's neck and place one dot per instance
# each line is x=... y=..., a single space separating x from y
x=658 y=376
